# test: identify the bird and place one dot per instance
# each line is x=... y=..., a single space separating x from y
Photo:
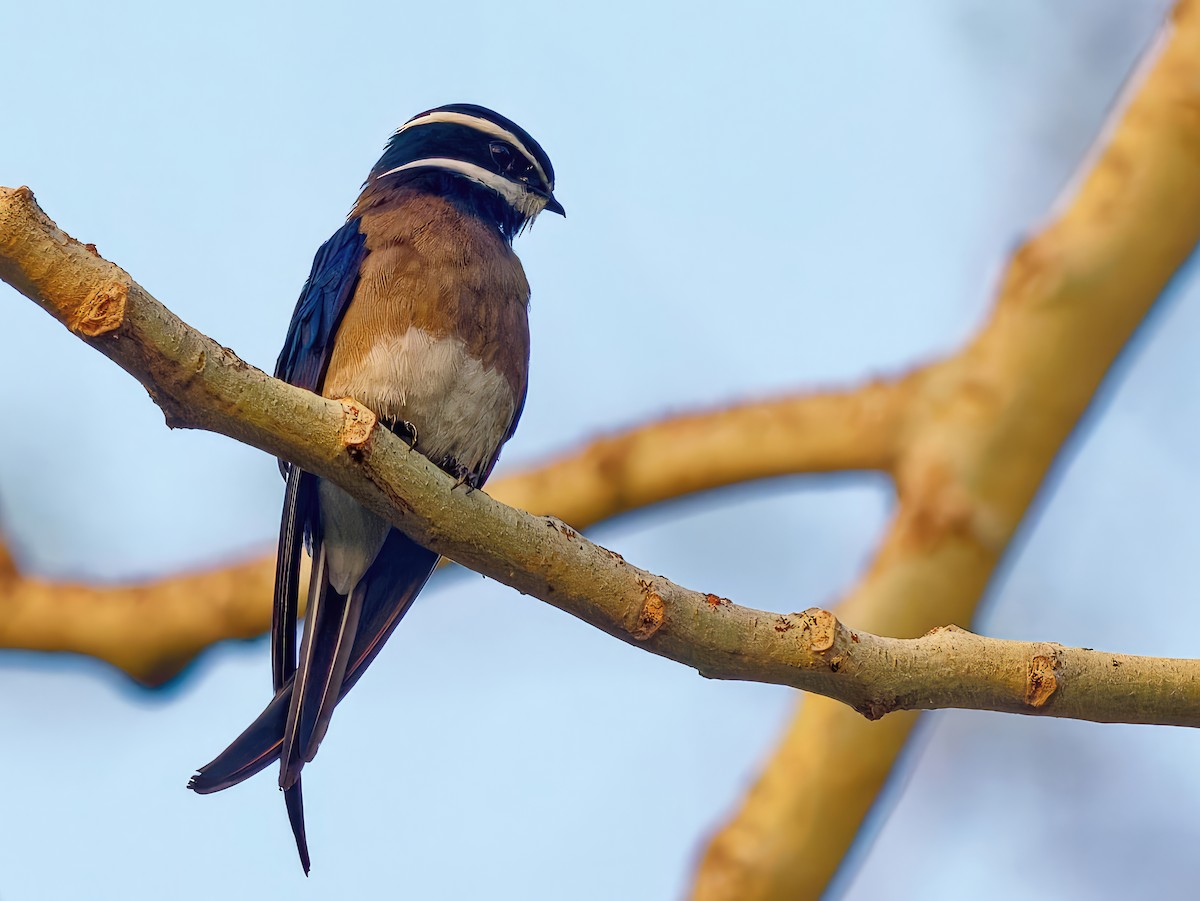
x=417 y=307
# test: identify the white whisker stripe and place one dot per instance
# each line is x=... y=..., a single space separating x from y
x=520 y=198
x=487 y=127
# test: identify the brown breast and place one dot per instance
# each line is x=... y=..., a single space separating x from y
x=435 y=268
x=437 y=333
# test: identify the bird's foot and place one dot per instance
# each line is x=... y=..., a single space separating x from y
x=463 y=475
x=404 y=430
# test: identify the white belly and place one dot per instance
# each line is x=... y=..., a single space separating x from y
x=459 y=409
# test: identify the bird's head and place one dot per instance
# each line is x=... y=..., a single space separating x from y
x=461 y=148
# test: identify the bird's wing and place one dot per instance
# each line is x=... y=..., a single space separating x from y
x=319 y=311
x=302 y=362
x=251 y=752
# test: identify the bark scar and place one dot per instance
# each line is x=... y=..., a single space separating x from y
x=653 y=613
x=102 y=312
x=1040 y=681
x=357 y=423
x=822 y=627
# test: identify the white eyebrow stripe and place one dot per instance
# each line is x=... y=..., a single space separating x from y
x=519 y=198
x=487 y=127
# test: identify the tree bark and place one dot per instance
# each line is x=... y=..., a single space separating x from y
x=980 y=439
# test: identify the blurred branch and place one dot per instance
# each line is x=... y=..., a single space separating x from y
x=803 y=433
x=983 y=431
x=968 y=441
x=152 y=630
x=202 y=385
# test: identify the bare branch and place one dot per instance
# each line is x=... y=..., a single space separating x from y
x=150 y=631
x=153 y=629
x=981 y=436
x=969 y=441
x=201 y=384
x=831 y=431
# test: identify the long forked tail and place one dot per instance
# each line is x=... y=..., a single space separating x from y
x=395 y=579
x=330 y=629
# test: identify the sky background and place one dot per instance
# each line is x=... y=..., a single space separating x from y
x=760 y=198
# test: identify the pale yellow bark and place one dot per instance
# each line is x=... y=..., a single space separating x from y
x=983 y=430
x=200 y=384
x=968 y=441
x=151 y=630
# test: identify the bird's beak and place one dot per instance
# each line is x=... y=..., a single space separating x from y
x=554 y=206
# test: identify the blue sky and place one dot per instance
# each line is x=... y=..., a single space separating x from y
x=759 y=198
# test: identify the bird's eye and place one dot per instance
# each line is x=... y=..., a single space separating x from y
x=501 y=155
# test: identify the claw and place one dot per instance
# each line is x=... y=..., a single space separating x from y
x=410 y=429
x=402 y=429
x=463 y=475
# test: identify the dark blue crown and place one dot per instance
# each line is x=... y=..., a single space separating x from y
x=482 y=112
x=475 y=157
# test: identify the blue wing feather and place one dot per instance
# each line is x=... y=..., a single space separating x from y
x=319 y=311
x=302 y=362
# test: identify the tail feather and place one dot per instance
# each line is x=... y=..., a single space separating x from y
x=324 y=655
x=324 y=604
x=297 y=502
x=295 y=811
x=327 y=691
x=391 y=585
x=387 y=591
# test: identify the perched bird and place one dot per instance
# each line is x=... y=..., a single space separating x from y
x=418 y=308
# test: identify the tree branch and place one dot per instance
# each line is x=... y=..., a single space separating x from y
x=200 y=384
x=153 y=629
x=982 y=434
x=834 y=431
x=968 y=440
